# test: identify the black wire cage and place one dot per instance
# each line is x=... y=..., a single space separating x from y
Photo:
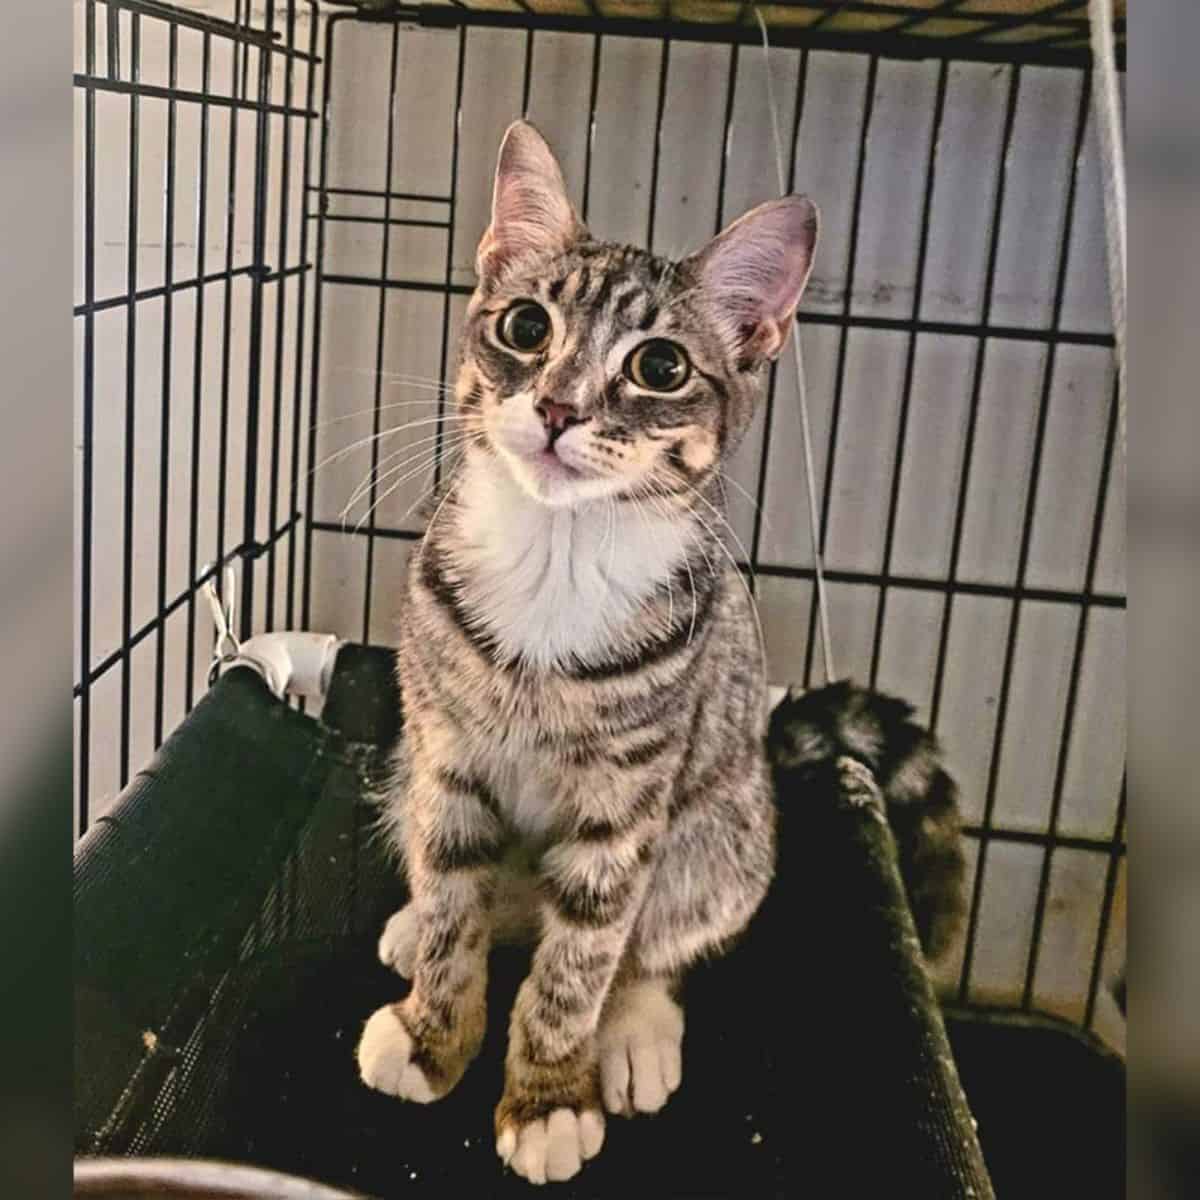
x=278 y=207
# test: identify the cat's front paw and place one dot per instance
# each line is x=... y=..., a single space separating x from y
x=548 y=1123
x=641 y=1049
x=398 y=942
x=552 y=1148
x=386 y=1055
x=403 y=1054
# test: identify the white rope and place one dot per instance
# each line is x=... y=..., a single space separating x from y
x=1106 y=105
x=226 y=644
x=802 y=392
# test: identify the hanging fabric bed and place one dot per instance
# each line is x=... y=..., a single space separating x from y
x=227 y=910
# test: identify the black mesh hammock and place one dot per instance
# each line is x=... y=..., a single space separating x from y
x=226 y=912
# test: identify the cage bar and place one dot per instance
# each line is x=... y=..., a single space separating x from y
x=1023 y=554
x=262 y=167
x=198 y=366
x=84 y=748
x=130 y=396
x=910 y=362
x=843 y=342
x=167 y=382
x=380 y=334
x=448 y=293
x=302 y=309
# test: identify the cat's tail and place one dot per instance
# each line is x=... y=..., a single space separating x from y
x=811 y=728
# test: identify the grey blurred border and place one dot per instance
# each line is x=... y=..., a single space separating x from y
x=36 y=387
x=36 y=390
x=1163 y=137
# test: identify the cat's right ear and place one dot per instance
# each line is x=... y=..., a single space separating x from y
x=531 y=214
x=753 y=274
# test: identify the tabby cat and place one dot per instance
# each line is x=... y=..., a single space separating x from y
x=582 y=673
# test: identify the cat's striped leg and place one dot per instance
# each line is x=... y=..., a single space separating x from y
x=715 y=863
x=550 y=1117
x=419 y=1048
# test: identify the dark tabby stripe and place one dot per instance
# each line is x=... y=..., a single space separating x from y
x=558 y=1000
x=625 y=299
x=647 y=752
x=462 y=785
x=693 y=574
x=675 y=458
x=539 y=1095
x=656 y=269
x=442 y=940
x=722 y=409
x=643 y=805
x=447 y=596
x=684 y=632
x=585 y=746
x=633 y=714
x=462 y=855
x=592 y=905
x=602 y=293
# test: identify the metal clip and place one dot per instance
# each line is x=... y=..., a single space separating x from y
x=226 y=647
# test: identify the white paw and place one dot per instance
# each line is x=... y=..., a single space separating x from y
x=553 y=1149
x=641 y=1050
x=398 y=942
x=385 y=1059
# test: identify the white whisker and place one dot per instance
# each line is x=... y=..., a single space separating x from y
x=612 y=539
x=429 y=491
x=373 y=474
x=762 y=641
x=399 y=483
x=430 y=381
x=428 y=458
x=753 y=503
x=367 y=412
x=437 y=512
x=722 y=519
x=375 y=437
x=665 y=512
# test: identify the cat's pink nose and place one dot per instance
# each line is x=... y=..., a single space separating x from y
x=558 y=417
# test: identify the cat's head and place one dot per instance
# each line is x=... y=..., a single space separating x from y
x=600 y=370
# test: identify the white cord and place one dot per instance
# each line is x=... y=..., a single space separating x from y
x=802 y=392
x=1106 y=104
x=226 y=645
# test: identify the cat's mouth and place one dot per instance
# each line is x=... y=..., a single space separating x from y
x=558 y=471
x=553 y=474
x=553 y=464
x=549 y=475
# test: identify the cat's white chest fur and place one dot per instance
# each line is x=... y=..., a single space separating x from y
x=555 y=584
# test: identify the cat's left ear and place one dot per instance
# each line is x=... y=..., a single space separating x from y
x=752 y=275
x=531 y=214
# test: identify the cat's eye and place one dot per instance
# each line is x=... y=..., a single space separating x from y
x=525 y=327
x=658 y=366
